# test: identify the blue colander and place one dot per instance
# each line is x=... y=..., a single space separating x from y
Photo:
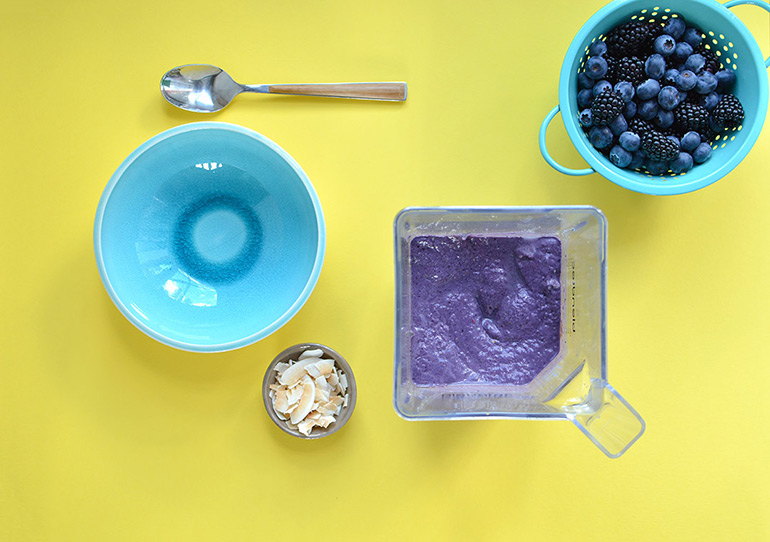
x=726 y=35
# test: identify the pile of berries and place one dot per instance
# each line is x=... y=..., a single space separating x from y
x=652 y=97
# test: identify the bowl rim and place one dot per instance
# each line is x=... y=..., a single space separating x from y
x=265 y=331
x=341 y=363
x=619 y=177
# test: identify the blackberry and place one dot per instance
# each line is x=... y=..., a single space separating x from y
x=729 y=110
x=611 y=65
x=639 y=126
x=713 y=64
x=629 y=68
x=658 y=147
x=693 y=98
x=630 y=39
x=670 y=131
x=656 y=29
x=606 y=106
x=690 y=117
x=708 y=135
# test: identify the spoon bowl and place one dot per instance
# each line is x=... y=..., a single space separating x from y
x=199 y=87
x=203 y=88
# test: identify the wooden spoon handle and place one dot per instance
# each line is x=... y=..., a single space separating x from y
x=391 y=91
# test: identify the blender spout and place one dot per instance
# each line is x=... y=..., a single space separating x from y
x=613 y=426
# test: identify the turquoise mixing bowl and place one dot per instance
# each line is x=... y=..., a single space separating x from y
x=209 y=237
x=726 y=35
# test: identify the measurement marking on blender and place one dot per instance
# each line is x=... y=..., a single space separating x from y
x=571 y=268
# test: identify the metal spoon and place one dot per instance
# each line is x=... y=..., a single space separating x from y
x=206 y=89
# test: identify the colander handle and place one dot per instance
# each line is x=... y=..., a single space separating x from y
x=544 y=151
x=763 y=5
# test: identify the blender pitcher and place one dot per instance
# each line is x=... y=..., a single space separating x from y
x=573 y=385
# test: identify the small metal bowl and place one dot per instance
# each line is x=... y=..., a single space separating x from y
x=293 y=353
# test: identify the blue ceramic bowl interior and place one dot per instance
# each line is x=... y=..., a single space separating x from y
x=209 y=237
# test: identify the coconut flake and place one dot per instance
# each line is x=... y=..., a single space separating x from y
x=309 y=392
x=315 y=353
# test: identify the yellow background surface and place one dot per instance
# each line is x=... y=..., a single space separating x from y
x=106 y=434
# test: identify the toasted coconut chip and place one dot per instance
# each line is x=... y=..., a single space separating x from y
x=332 y=379
x=345 y=402
x=325 y=421
x=343 y=381
x=306 y=427
x=325 y=366
x=313 y=415
x=313 y=370
x=294 y=374
x=327 y=409
x=314 y=353
x=306 y=403
x=281 y=367
x=295 y=394
x=322 y=384
x=281 y=401
x=322 y=396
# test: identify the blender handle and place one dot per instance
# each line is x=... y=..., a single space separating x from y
x=762 y=5
x=544 y=150
x=613 y=426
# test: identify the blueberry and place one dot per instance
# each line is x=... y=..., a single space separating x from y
x=701 y=153
x=626 y=90
x=693 y=36
x=648 y=90
x=586 y=118
x=709 y=101
x=656 y=168
x=715 y=125
x=630 y=141
x=695 y=63
x=637 y=160
x=675 y=27
x=682 y=163
x=665 y=45
x=675 y=140
x=618 y=125
x=707 y=82
x=629 y=111
x=596 y=67
x=584 y=81
x=597 y=48
x=664 y=119
x=647 y=110
x=725 y=80
x=620 y=156
x=584 y=98
x=600 y=136
x=682 y=51
x=690 y=141
x=669 y=78
x=686 y=80
x=601 y=86
x=668 y=98
x=655 y=66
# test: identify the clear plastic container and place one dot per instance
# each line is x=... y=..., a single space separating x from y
x=574 y=384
